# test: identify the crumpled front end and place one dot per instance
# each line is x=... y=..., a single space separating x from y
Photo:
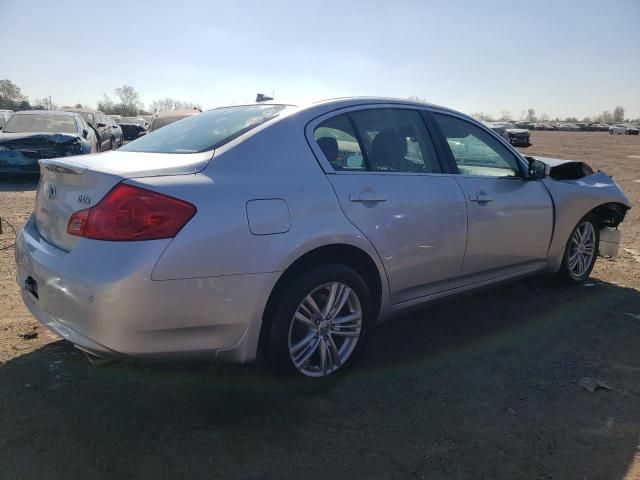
x=20 y=155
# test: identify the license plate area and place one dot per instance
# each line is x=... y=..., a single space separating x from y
x=31 y=286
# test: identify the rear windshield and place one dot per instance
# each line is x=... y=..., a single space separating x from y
x=164 y=121
x=205 y=131
x=41 y=123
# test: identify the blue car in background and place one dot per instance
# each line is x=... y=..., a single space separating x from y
x=31 y=135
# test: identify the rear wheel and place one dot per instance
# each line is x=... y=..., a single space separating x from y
x=318 y=329
x=581 y=251
x=610 y=132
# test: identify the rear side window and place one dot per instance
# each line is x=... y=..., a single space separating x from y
x=337 y=140
x=394 y=140
x=205 y=131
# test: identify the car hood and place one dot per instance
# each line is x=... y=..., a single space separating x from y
x=34 y=138
x=517 y=130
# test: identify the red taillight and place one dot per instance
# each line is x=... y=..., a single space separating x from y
x=132 y=213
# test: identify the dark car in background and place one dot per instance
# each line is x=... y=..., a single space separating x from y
x=166 y=117
x=39 y=134
x=132 y=127
x=515 y=136
x=98 y=121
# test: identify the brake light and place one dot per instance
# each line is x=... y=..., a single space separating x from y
x=132 y=213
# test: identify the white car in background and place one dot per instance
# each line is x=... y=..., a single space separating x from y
x=620 y=129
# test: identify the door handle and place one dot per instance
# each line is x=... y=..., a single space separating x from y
x=367 y=197
x=480 y=198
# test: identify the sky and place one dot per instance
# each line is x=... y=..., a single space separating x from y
x=559 y=57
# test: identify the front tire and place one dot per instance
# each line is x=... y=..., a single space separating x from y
x=318 y=329
x=581 y=251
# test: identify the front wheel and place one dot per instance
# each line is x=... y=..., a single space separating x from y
x=319 y=327
x=581 y=251
x=610 y=132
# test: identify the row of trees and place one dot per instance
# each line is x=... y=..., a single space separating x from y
x=617 y=116
x=127 y=102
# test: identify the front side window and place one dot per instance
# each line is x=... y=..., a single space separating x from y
x=475 y=151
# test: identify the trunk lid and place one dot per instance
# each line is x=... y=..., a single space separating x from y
x=67 y=186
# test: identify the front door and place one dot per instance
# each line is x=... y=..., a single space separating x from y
x=510 y=216
x=388 y=180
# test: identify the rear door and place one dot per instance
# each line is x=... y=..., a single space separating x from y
x=384 y=168
x=510 y=217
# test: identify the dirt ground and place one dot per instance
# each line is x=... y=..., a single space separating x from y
x=484 y=387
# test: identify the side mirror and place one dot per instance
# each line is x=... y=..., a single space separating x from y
x=101 y=125
x=538 y=170
x=85 y=133
x=142 y=134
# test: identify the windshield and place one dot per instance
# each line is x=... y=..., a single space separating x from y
x=41 y=123
x=88 y=116
x=205 y=131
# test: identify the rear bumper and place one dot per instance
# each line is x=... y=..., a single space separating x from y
x=100 y=297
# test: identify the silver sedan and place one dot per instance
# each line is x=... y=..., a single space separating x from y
x=292 y=231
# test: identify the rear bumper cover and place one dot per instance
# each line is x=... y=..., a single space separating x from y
x=102 y=299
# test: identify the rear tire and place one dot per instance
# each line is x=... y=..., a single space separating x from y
x=581 y=251
x=318 y=327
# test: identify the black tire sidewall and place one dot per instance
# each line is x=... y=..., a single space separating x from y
x=277 y=348
x=565 y=270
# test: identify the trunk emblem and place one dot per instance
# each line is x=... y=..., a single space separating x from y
x=84 y=199
x=51 y=191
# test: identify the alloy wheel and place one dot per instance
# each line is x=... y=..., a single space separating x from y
x=582 y=249
x=325 y=329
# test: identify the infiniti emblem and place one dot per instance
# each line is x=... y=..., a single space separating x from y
x=51 y=191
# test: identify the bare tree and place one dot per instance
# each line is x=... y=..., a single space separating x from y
x=106 y=105
x=605 y=117
x=544 y=117
x=531 y=115
x=618 y=114
x=170 y=104
x=10 y=94
x=129 y=100
x=505 y=115
x=482 y=116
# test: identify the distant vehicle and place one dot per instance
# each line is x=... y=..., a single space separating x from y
x=98 y=121
x=166 y=117
x=568 y=127
x=584 y=127
x=515 y=136
x=116 y=118
x=620 y=129
x=600 y=127
x=133 y=127
x=40 y=134
x=147 y=119
x=116 y=131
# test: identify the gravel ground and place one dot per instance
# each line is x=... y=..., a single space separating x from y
x=487 y=386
